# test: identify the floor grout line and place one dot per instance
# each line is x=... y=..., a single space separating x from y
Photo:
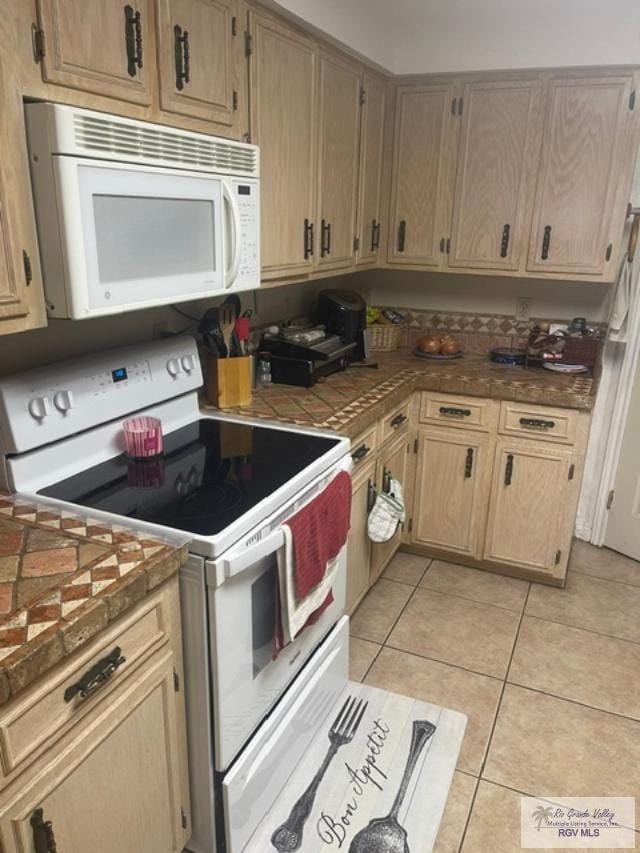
x=607 y=580
x=474 y=600
x=573 y=702
x=493 y=726
x=499 y=678
x=582 y=628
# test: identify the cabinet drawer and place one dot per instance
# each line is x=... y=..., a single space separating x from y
x=395 y=422
x=363 y=448
x=44 y=713
x=474 y=413
x=539 y=422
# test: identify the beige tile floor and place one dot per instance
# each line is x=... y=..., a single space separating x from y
x=549 y=679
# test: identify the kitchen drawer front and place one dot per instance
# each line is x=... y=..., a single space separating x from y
x=394 y=423
x=476 y=413
x=538 y=422
x=363 y=448
x=43 y=714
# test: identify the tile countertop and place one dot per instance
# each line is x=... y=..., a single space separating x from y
x=63 y=578
x=350 y=401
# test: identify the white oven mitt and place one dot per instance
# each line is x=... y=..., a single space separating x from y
x=386 y=514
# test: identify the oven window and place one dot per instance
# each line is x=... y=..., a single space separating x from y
x=263 y=617
x=138 y=237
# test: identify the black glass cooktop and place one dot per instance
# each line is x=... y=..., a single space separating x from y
x=210 y=474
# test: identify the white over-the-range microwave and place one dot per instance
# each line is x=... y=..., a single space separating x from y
x=132 y=214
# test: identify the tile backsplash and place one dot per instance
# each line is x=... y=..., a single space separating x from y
x=477 y=333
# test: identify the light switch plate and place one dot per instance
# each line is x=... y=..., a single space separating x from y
x=523 y=309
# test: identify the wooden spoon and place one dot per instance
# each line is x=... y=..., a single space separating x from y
x=385 y=834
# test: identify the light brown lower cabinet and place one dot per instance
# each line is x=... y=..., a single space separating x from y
x=452 y=488
x=530 y=504
x=359 y=544
x=115 y=780
x=392 y=463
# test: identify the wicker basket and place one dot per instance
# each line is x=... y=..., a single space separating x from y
x=384 y=337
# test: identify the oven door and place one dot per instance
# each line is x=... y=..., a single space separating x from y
x=247 y=682
x=136 y=236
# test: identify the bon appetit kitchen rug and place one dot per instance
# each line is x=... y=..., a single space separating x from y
x=374 y=780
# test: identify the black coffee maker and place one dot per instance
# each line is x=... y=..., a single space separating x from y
x=344 y=314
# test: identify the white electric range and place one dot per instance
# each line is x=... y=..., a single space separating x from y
x=225 y=485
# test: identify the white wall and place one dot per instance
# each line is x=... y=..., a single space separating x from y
x=68 y=338
x=450 y=292
x=420 y=36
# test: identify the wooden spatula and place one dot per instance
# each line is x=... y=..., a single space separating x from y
x=227 y=322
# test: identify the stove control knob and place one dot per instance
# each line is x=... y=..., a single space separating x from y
x=39 y=408
x=188 y=363
x=63 y=401
x=173 y=366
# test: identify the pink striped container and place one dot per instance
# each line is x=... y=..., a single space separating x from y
x=143 y=437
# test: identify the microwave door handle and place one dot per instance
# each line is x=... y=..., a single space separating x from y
x=233 y=219
x=238 y=562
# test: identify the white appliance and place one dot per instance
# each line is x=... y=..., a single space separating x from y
x=228 y=483
x=132 y=214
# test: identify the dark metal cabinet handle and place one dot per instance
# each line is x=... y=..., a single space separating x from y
x=386 y=480
x=443 y=244
x=508 y=471
x=375 y=235
x=546 y=241
x=93 y=678
x=453 y=411
x=371 y=496
x=325 y=238
x=504 y=245
x=537 y=423
x=182 y=57
x=133 y=39
x=398 y=421
x=359 y=454
x=308 y=239
x=468 y=465
x=44 y=840
x=402 y=234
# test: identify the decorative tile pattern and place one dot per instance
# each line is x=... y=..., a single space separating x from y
x=359 y=396
x=62 y=578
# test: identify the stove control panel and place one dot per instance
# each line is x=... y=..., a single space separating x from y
x=44 y=405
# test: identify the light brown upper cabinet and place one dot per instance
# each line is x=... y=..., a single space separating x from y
x=421 y=194
x=497 y=158
x=339 y=131
x=99 y=46
x=21 y=293
x=197 y=43
x=371 y=160
x=584 y=159
x=283 y=78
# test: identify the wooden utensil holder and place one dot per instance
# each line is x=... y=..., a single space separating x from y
x=227 y=381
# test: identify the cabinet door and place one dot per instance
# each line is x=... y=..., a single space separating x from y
x=421 y=188
x=338 y=163
x=118 y=789
x=370 y=182
x=99 y=46
x=21 y=295
x=498 y=153
x=283 y=75
x=392 y=462
x=582 y=159
x=531 y=500
x=452 y=487
x=196 y=49
x=359 y=544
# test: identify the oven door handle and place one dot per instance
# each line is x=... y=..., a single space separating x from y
x=238 y=561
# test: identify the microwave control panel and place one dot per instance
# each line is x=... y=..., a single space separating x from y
x=247 y=197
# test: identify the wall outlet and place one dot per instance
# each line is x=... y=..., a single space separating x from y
x=523 y=309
